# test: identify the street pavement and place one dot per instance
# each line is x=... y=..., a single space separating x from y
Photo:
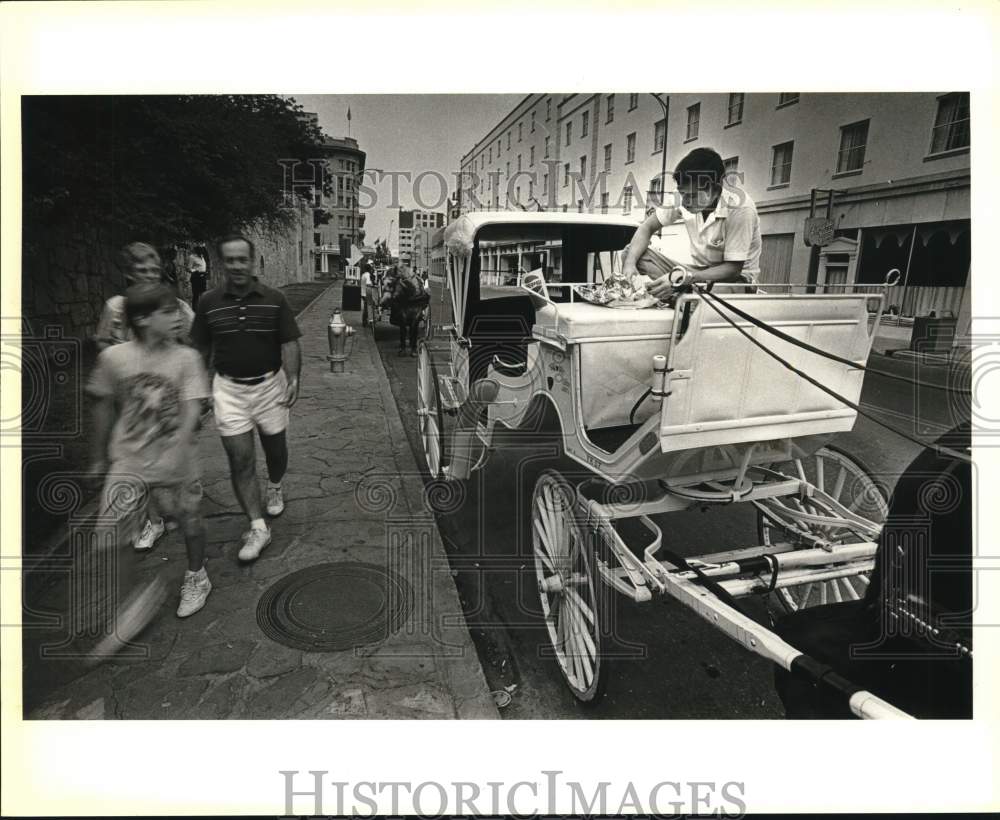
x=353 y=493
x=671 y=664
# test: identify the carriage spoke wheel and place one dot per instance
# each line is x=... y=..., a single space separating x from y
x=564 y=564
x=430 y=417
x=848 y=482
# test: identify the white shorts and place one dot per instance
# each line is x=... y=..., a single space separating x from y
x=241 y=407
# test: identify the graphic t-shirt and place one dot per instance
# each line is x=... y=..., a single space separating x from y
x=149 y=388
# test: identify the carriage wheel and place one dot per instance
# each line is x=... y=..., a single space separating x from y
x=429 y=415
x=847 y=481
x=564 y=564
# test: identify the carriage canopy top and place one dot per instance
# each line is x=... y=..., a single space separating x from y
x=460 y=235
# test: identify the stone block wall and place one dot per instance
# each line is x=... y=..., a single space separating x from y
x=66 y=281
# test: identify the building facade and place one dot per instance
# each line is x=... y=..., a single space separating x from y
x=897 y=163
x=415 y=230
x=338 y=222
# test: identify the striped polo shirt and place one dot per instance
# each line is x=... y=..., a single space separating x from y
x=245 y=332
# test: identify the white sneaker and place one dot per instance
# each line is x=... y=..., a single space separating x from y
x=275 y=501
x=149 y=536
x=254 y=542
x=194 y=592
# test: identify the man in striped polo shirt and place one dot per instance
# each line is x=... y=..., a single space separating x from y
x=248 y=335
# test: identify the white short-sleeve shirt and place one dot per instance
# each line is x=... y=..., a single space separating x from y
x=731 y=233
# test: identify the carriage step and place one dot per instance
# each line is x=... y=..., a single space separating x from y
x=453 y=392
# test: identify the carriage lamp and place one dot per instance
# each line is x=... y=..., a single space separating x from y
x=337 y=332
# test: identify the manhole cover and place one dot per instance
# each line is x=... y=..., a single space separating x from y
x=332 y=607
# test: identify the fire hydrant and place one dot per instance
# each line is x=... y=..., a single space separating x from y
x=337 y=332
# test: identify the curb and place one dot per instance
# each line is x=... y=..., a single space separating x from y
x=465 y=675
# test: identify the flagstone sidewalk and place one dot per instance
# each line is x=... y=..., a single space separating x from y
x=353 y=494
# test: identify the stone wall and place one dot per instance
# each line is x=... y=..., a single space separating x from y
x=66 y=281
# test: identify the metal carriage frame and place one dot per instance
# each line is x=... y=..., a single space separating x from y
x=819 y=510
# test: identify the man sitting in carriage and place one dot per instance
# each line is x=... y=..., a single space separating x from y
x=722 y=226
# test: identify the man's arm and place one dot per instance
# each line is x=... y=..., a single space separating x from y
x=724 y=272
x=291 y=362
x=640 y=242
x=103 y=415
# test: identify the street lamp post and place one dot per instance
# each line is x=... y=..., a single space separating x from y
x=665 y=105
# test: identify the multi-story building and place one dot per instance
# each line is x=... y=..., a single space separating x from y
x=414 y=231
x=898 y=164
x=338 y=223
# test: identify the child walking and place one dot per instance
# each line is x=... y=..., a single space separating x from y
x=148 y=394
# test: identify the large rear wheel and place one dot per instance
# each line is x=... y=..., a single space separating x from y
x=847 y=481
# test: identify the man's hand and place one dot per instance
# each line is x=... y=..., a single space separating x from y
x=291 y=392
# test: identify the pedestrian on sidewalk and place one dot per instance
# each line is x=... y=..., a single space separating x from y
x=140 y=263
x=198 y=271
x=249 y=333
x=367 y=295
x=148 y=395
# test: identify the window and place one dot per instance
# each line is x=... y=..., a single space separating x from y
x=611 y=108
x=659 y=135
x=508 y=170
x=694 y=120
x=518 y=162
x=565 y=174
x=633 y=102
x=491 y=155
x=627 y=209
x=520 y=135
x=317 y=239
x=548 y=110
x=731 y=177
x=787 y=98
x=951 y=125
x=531 y=189
x=604 y=202
x=607 y=157
x=630 y=148
x=735 y=114
x=586 y=124
x=517 y=195
x=532 y=122
x=545 y=184
x=569 y=132
x=655 y=187
x=583 y=167
x=508 y=140
x=531 y=156
x=579 y=205
x=547 y=147
x=853 y=139
x=781 y=164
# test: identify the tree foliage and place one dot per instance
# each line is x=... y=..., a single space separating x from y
x=159 y=168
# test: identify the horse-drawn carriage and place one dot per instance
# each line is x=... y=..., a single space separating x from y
x=709 y=401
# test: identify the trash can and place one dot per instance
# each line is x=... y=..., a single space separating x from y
x=933 y=334
x=352 y=297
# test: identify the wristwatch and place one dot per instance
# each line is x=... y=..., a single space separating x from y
x=680 y=276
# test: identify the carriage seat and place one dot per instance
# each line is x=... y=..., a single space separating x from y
x=872 y=642
x=615 y=349
x=501 y=329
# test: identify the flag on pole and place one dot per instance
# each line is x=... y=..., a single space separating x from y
x=356 y=255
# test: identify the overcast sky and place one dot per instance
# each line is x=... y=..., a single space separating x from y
x=409 y=132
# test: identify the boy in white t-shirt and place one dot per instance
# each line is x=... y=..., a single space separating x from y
x=722 y=226
x=148 y=395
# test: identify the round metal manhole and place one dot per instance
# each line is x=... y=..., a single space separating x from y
x=332 y=607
